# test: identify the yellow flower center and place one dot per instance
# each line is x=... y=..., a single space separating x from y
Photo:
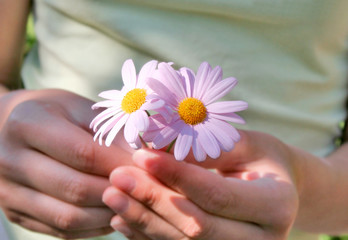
x=133 y=100
x=192 y=111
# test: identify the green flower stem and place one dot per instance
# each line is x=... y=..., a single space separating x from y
x=143 y=142
x=170 y=145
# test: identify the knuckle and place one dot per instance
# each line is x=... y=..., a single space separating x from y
x=14 y=123
x=143 y=220
x=174 y=178
x=30 y=115
x=284 y=217
x=3 y=160
x=217 y=200
x=76 y=191
x=18 y=118
x=10 y=157
x=198 y=229
x=4 y=197
x=150 y=197
x=6 y=165
x=66 y=221
x=14 y=217
x=84 y=153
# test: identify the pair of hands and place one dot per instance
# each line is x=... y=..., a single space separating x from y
x=253 y=196
x=53 y=177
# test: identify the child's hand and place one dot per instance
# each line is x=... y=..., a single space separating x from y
x=253 y=197
x=52 y=174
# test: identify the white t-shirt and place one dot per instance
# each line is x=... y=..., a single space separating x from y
x=289 y=55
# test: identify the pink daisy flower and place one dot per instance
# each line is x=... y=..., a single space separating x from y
x=127 y=107
x=199 y=121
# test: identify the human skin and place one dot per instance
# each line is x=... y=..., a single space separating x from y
x=261 y=190
x=273 y=187
x=52 y=174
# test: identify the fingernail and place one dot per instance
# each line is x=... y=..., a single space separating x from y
x=117 y=201
x=122 y=181
x=122 y=228
x=141 y=159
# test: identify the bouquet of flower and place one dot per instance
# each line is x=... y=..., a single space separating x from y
x=169 y=107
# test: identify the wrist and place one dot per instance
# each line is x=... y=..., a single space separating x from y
x=307 y=169
x=316 y=182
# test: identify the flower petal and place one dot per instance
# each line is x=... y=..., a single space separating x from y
x=103 y=116
x=152 y=104
x=105 y=128
x=189 y=77
x=106 y=104
x=225 y=141
x=167 y=134
x=228 y=128
x=197 y=149
x=129 y=74
x=140 y=120
x=208 y=141
x=201 y=78
x=219 y=90
x=227 y=107
x=172 y=79
x=149 y=136
x=131 y=133
x=112 y=95
x=230 y=117
x=167 y=113
x=183 y=143
x=214 y=77
x=115 y=130
x=145 y=72
x=137 y=144
x=157 y=121
x=163 y=92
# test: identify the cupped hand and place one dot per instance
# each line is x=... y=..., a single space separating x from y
x=52 y=174
x=253 y=196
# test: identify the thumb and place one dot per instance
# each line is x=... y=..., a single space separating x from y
x=215 y=194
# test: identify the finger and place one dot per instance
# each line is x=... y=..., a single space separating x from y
x=170 y=207
x=67 y=103
x=121 y=226
x=37 y=226
x=47 y=129
x=251 y=146
x=222 y=196
x=51 y=211
x=138 y=216
x=56 y=179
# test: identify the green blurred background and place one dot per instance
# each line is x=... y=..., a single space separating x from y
x=30 y=40
x=30 y=37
